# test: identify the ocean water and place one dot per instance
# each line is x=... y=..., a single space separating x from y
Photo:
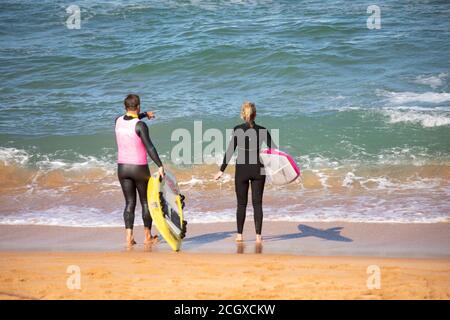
x=366 y=113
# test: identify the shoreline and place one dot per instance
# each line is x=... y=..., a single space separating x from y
x=430 y=240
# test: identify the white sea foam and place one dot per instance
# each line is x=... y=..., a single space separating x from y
x=362 y=208
x=66 y=216
x=432 y=81
x=426 y=118
x=226 y=178
x=195 y=181
x=392 y=185
x=408 y=97
x=417 y=209
x=317 y=161
x=82 y=162
x=349 y=179
x=192 y=182
x=379 y=211
x=323 y=178
x=13 y=156
x=49 y=162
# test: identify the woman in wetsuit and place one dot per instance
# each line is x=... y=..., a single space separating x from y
x=133 y=143
x=248 y=138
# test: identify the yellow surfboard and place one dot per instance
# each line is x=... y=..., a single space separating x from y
x=166 y=208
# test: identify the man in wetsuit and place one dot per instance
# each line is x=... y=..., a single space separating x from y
x=134 y=143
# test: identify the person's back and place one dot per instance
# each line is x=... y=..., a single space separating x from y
x=131 y=149
x=248 y=138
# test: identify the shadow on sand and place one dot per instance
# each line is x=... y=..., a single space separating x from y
x=209 y=237
x=331 y=234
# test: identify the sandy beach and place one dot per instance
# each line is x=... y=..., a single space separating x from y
x=297 y=261
x=141 y=275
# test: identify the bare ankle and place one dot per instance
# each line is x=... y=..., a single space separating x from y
x=130 y=237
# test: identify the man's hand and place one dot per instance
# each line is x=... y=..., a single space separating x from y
x=161 y=171
x=150 y=114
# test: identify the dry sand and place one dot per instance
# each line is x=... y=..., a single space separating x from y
x=148 y=275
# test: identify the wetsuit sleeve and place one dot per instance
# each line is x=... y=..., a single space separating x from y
x=269 y=142
x=229 y=153
x=142 y=115
x=142 y=132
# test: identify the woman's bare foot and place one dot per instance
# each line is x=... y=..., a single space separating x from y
x=239 y=238
x=258 y=239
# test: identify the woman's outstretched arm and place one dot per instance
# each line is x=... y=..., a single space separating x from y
x=269 y=142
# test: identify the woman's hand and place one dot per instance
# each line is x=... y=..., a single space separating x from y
x=161 y=172
x=150 y=114
x=218 y=175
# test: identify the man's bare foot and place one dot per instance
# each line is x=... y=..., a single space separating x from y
x=131 y=242
x=239 y=238
x=148 y=238
x=151 y=240
x=130 y=238
x=258 y=239
x=240 y=247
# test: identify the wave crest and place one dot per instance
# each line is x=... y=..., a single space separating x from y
x=427 y=119
x=408 y=97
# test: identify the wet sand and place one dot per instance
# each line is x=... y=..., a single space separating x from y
x=296 y=261
x=307 y=238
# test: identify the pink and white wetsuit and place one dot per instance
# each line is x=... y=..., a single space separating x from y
x=133 y=142
x=131 y=149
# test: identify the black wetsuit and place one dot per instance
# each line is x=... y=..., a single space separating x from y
x=135 y=177
x=249 y=170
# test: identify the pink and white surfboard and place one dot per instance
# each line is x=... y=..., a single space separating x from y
x=279 y=166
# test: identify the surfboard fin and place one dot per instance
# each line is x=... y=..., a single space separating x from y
x=163 y=204
x=183 y=229
x=182 y=197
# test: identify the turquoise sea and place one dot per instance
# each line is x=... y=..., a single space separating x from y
x=365 y=112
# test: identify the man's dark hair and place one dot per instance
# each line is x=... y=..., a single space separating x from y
x=132 y=102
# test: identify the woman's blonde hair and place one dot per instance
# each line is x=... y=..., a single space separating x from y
x=248 y=111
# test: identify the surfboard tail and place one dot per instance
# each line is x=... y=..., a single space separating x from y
x=166 y=209
x=279 y=166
